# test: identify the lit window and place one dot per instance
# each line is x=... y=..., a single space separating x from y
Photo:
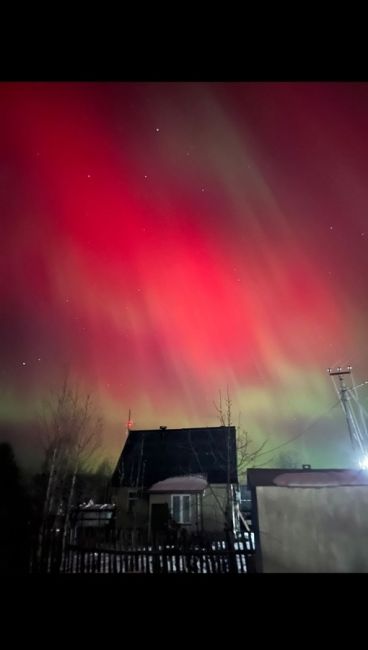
x=180 y=508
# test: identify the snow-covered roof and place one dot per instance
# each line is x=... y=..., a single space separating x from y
x=96 y=506
x=322 y=479
x=190 y=483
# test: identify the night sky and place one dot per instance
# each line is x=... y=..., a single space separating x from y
x=162 y=241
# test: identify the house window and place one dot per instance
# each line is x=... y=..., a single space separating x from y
x=132 y=500
x=180 y=508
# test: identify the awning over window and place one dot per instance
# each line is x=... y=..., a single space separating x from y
x=191 y=483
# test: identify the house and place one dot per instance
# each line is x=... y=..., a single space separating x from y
x=177 y=479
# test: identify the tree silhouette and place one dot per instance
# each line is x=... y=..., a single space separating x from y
x=14 y=516
x=71 y=430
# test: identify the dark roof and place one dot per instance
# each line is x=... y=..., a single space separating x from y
x=156 y=454
x=262 y=476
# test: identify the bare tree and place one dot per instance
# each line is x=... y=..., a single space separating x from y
x=225 y=511
x=71 y=431
x=103 y=475
x=247 y=453
x=224 y=414
x=222 y=460
x=246 y=456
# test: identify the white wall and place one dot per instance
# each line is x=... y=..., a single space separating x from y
x=312 y=530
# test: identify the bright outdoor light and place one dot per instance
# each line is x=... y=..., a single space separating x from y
x=363 y=463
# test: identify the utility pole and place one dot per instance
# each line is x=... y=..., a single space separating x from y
x=339 y=372
x=355 y=420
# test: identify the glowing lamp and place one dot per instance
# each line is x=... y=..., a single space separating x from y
x=363 y=463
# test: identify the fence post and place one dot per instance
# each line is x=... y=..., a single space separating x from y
x=233 y=567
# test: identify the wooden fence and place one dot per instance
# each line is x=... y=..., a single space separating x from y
x=96 y=555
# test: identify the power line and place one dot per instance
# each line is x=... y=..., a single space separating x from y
x=299 y=435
